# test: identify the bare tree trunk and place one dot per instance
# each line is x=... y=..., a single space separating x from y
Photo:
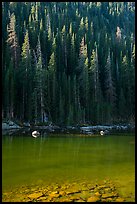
x=65 y=55
x=117 y=70
x=23 y=104
x=12 y=112
x=35 y=100
x=42 y=105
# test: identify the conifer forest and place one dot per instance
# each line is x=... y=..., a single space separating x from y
x=68 y=62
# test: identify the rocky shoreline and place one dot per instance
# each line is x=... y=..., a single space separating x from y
x=104 y=191
x=11 y=128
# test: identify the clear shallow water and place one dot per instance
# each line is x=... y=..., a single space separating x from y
x=28 y=160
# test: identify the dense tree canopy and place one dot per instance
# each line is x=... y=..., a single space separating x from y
x=73 y=62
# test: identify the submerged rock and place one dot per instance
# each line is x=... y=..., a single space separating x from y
x=119 y=199
x=62 y=193
x=109 y=195
x=93 y=199
x=97 y=194
x=85 y=195
x=109 y=200
x=72 y=192
x=80 y=200
x=54 y=194
x=35 y=195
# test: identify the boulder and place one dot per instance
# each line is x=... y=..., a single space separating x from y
x=35 y=195
x=93 y=199
x=5 y=126
x=109 y=195
x=26 y=124
x=120 y=200
x=10 y=125
x=54 y=194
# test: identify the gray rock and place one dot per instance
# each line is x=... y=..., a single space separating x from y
x=10 y=125
x=26 y=124
x=5 y=126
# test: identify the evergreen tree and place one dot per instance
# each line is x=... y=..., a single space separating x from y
x=13 y=41
x=52 y=85
x=27 y=79
x=38 y=90
x=73 y=62
x=13 y=47
x=110 y=89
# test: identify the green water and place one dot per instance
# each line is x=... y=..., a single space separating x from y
x=28 y=160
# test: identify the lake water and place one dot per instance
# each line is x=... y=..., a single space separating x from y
x=60 y=158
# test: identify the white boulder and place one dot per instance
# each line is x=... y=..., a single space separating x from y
x=35 y=134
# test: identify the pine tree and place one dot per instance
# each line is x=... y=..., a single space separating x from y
x=61 y=107
x=109 y=89
x=109 y=84
x=80 y=75
x=52 y=85
x=11 y=105
x=13 y=41
x=76 y=56
x=86 y=89
x=13 y=47
x=64 y=46
x=95 y=87
x=39 y=106
x=95 y=73
x=26 y=78
x=127 y=83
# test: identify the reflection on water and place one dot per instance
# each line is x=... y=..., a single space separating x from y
x=27 y=160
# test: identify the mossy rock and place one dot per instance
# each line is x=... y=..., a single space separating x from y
x=62 y=193
x=109 y=200
x=75 y=197
x=68 y=192
x=93 y=199
x=80 y=200
x=101 y=187
x=54 y=194
x=56 y=187
x=97 y=194
x=65 y=199
x=108 y=190
x=109 y=195
x=64 y=187
x=42 y=199
x=84 y=188
x=86 y=194
x=72 y=191
x=77 y=187
x=90 y=187
x=119 y=199
x=35 y=195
